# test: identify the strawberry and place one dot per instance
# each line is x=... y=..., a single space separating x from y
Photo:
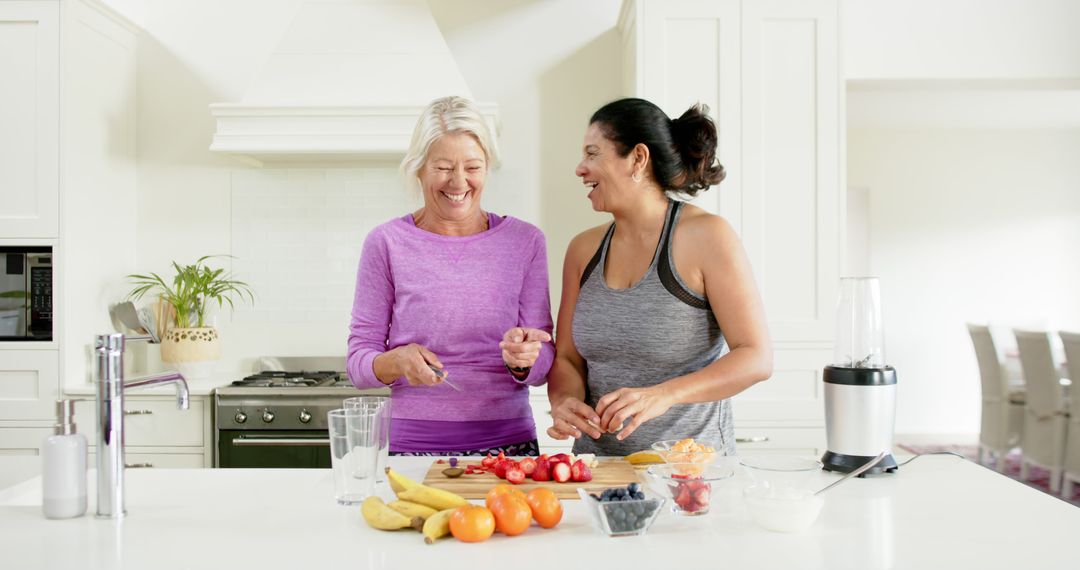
x=580 y=473
x=560 y=472
x=515 y=475
x=488 y=461
x=543 y=456
x=528 y=465
x=501 y=467
x=701 y=497
x=501 y=456
x=560 y=458
x=542 y=471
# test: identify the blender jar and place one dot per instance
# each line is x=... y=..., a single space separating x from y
x=860 y=338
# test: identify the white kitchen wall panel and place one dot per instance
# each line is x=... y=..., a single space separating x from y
x=29 y=119
x=769 y=71
x=297 y=236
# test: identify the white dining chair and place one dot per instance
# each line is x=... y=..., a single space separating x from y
x=1071 y=476
x=1002 y=410
x=1045 y=415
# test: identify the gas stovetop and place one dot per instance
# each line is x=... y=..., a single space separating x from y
x=285 y=379
x=285 y=399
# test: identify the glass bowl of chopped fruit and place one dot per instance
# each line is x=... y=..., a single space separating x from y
x=622 y=511
x=691 y=457
x=689 y=486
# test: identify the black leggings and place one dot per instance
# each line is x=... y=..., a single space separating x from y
x=531 y=447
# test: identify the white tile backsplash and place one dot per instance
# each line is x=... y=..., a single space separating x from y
x=297 y=235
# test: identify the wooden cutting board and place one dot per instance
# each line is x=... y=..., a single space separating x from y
x=613 y=472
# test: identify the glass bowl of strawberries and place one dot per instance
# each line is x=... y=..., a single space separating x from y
x=688 y=485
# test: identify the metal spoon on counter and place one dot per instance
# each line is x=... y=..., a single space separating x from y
x=862 y=469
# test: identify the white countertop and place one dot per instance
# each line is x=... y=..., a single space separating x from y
x=937 y=512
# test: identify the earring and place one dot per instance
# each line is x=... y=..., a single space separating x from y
x=636 y=177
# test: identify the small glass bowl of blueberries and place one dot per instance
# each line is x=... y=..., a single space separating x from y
x=622 y=511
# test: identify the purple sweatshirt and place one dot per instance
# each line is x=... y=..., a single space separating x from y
x=456 y=296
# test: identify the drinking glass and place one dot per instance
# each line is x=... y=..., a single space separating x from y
x=353 y=453
x=381 y=406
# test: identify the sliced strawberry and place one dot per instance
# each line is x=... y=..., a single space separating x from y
x=515 y=475
x=580 y=472
x=542 y=456
x=440 y=461
x=559 y=458
x=701 y=497
x=488 y=461
x=501 y=467
x=528 y=465
x=501 y=456
x=542 y=472
x=560 y=472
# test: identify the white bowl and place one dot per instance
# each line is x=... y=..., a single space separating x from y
x=781 y=471
x=782 y=510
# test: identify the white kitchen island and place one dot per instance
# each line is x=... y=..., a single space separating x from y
x=937 y=512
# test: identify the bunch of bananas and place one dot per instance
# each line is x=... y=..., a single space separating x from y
x=420 y=507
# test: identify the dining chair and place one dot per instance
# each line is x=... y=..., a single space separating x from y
x=1002 y=411
x=1071 y=342
x=1045 y=414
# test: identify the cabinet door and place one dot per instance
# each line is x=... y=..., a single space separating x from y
x=29 y=119
x=153 y=422
x=792 y=162
x=28 y=384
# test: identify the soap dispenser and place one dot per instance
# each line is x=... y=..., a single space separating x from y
x=63 y=458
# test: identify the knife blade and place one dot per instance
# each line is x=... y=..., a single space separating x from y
x=442 y=374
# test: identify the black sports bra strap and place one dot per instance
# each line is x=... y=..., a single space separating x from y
x=596 y=257
x=666 y=271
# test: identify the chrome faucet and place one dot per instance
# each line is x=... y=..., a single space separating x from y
x=110 y=414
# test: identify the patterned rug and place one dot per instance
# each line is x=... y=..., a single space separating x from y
x=1039 y=477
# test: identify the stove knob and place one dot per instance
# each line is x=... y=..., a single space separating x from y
x=268 y=416
x=305 y=416
x=240 y=417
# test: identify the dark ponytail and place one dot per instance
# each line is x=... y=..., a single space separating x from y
x=683 y=151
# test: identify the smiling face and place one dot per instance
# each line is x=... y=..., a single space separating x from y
x=603 y=171
x=452 y=178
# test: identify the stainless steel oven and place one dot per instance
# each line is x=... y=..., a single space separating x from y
x=277 y=419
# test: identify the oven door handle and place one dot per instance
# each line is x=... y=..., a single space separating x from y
x=253 y=440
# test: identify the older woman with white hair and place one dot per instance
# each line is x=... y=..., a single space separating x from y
x=453 y=292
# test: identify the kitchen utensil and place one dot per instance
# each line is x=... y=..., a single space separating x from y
x=442 y=374
x=146 y=319
x=609 y=472
x=854 y=473
x=129 y=317
x=860 y=389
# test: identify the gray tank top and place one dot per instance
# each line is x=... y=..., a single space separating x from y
x=653 y=331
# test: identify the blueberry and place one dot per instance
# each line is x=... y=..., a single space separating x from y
x=638 y=509
x=606 y=495
x=639 y=496
x=633 y=488
x=620 y=492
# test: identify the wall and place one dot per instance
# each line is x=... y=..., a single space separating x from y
x=960 y=39
x=192 y=203
x=966 y=225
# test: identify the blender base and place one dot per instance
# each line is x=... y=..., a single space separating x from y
x=841 y=463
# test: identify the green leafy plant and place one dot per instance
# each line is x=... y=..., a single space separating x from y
x=193 y=288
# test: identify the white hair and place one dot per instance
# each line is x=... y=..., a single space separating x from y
x=441 y=117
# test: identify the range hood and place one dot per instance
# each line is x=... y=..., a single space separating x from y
x=346 y=83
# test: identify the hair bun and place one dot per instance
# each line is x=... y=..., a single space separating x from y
x=694 y=137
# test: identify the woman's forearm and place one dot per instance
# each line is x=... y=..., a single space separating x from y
x=564 y=381
x=731 y=374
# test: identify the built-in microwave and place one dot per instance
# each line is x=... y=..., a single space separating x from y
x=26 y=293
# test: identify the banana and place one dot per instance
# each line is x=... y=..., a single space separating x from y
x=399 y=482
x=382 y=517
x=437 y=525
x=437 y=499
x=411 y=509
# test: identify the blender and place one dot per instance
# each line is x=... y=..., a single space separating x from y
x=860 y=389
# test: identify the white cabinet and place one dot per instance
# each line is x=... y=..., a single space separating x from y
x=67 y=180
x=156 y=433
x=541 y=410
x=29 y=119
x=769 y=71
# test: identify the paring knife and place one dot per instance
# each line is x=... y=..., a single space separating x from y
x=442 y=374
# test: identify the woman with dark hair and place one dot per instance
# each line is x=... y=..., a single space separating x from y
x=651 y=300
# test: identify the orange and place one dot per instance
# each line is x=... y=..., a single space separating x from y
x=472 y=523
x=546 y=508
x=502 y=489
x=512 y=514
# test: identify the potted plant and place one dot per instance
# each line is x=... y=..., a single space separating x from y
x=193 y=289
